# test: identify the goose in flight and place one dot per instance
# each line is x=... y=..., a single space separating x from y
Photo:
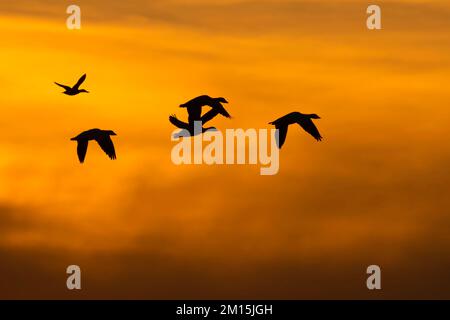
x=189 y=128
x=304 y=120
x=72 y=91
x=103 y=139
x=194 y=107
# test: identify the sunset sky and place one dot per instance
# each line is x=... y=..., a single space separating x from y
x=375 y=191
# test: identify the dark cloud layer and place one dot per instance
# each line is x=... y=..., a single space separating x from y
x=220 y=251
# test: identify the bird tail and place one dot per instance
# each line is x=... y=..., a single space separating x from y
x=73 y=139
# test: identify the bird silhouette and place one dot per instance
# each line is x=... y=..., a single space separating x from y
x=72 y=91
x=194 y=107
x=304 y=120
x=103 y=139
x=188 y=129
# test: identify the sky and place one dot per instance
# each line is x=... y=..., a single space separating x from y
x=375 y=191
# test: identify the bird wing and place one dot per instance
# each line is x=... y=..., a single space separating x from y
x=80 y=81
x=107 y=146
x=178 y=123
x=211 y=114
x=309 y=127
x=81 y=149
x=194 y=112
x=220 y=109
x=282 y=133
x=63 y=86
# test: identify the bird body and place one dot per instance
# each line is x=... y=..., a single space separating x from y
x=194 y=107
x=304 y=120
x=103 y=139
x=72 y=91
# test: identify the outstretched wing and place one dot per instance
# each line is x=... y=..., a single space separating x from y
x=309 y=127
x=178 y=123
x=63 y=86
x=81 y=149
x=211 y=114
x=220 y=109
x=282 y=133
x=107 y=146
x=80 y=81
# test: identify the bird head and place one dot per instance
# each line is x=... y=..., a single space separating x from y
x=182 y=134
x=223 y=100
x=314 y=116
x=210 y=129
x=111 y=133
x=82 y=90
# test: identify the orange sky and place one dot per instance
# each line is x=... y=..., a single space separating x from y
x=374 y=192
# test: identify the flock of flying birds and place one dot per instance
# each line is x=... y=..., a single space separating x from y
x=194 y=109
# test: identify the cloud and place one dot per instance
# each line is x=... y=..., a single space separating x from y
x=250 y=17
x=140 y=227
